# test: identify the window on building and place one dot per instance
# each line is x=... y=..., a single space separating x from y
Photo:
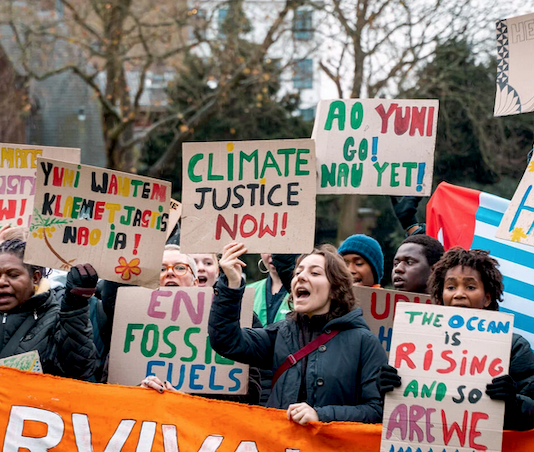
x=221 y=17
x=198 y=24
x=157 y=81
x=303 y=24
x=59 y=8
x=307 y=114
x=303 y=76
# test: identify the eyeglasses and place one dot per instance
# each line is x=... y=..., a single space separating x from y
x=178 y=269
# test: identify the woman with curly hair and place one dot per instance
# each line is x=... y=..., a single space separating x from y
x=336 y=381
x=471 y=279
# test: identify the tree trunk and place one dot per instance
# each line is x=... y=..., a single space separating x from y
x=348 y=217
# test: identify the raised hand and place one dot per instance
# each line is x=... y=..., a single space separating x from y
x=81 y=284
x=231 y=265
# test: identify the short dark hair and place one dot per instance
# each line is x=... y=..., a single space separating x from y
x=433 y=249
x=342 y=299
x=17 y=248
x=479 y=260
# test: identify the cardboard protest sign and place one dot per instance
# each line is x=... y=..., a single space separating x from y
x=261 y=193
x=18 y=164
x=445 y=357
x=24 y=361
x=175 y=212
x=378 y=306
x=112 y=220
x=375 y=146
x=517 y=224
x=515 y=59
x=165 y=333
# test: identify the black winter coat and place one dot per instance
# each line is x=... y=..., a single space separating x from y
x=520 y=415
x=63 y=338
x=340 y=377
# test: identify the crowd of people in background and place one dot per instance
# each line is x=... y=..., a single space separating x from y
x=305 y=309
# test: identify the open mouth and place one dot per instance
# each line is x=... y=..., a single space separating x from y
x=171 y=283
x=202 y=280
x=302 y=292
x=398 y=281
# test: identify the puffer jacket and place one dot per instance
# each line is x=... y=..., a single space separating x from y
x=340 y=376
x=63 y=338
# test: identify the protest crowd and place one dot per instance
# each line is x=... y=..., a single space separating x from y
x=105 y=274
x=306 y=303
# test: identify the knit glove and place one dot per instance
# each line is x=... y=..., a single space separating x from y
x=388 y=379
x=502 y=388
x=81 y=285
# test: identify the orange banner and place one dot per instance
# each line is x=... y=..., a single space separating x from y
x=40 y=412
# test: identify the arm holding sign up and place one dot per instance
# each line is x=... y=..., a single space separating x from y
x=75 y=336
x=249 y=346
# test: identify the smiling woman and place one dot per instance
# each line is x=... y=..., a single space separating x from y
x=323 y=303
x=34 y=319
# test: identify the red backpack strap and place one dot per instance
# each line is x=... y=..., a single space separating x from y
x=291 y=360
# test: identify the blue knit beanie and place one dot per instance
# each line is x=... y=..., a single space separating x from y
x=369 y=249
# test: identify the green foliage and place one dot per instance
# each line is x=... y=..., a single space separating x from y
x=38 y=221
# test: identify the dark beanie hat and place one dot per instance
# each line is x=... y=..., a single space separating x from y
x=369 y=249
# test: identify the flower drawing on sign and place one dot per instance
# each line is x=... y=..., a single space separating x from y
x=127 y=269
x=44 y=227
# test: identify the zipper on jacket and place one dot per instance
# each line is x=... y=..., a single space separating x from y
x=35 y=316
x=5 y=317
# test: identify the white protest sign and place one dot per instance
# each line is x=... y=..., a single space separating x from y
x=24 y=361
x=517 y=224
x=165 y=333
x=378 y=306
x=515 y=60
x=375 y=146
x=445 y=357
x=115 y=221
x=261 y=193
x=175 y=212
x=18 y=163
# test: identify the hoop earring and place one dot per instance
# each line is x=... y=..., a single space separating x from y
x=261 y=270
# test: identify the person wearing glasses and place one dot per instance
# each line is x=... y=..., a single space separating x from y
x=177 y=269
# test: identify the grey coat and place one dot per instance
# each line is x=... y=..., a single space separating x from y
x=63 y=338
x=340 y=376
